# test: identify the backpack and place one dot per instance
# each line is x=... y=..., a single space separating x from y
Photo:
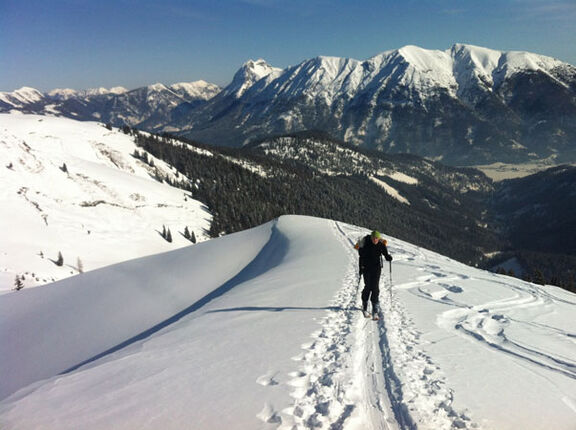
x=362 y=240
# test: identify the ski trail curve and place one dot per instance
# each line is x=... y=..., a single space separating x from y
x=493 y=325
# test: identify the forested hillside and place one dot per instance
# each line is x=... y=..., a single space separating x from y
x=404 y=196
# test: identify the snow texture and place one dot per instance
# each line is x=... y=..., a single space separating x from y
x=261 y=330
x=76 y=188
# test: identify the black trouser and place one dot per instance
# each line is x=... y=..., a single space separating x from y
x=371 y=289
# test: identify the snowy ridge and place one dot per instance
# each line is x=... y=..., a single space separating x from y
x=462 y=106
x=21 y=97
x=422 y=69
x=200 y=90
x=274 y=339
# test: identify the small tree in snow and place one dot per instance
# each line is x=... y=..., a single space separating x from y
x=80 y=265
x=166 y=234
x=60 y=260
x=18 y=284
x=190 y=236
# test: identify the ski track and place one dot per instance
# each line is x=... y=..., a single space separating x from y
x=358 y=373
x=491 y=323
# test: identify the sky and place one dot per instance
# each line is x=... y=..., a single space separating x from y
x=80 y=44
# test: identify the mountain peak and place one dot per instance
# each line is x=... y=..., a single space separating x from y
x=157 y=87
x=250 y=73
x=21 y=96
x=196 y=90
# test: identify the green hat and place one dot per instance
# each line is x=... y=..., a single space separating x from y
x=375 y=234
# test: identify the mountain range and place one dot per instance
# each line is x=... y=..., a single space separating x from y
x=147 y=107
x=467 y=105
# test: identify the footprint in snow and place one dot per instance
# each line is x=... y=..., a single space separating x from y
x=266 y=380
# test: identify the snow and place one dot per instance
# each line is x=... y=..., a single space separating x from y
x=62 y=93
x=196 y=90
x=460 y=70
x=248 y=165
x=261 y=329
x=399 y=176
x=250 y=73
x=391 y=191
x=21 y=96
x=107 y=208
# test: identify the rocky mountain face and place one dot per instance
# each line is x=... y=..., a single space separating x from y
x=147 y=108
x=466 y=105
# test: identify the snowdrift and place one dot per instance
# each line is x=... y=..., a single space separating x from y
x=261 y=329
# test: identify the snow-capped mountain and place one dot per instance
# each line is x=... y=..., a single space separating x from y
x=75 y=189
x=21 y=98
x=198 y=90
x=465 y=105
x=250 y=73
x=262 y=330
x=61 y=94
x=149 y=107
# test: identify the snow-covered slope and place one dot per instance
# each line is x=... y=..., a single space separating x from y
x=74 y=187
x=198 y=90
x=261 y=330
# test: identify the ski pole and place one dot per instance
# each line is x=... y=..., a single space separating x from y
x=390 y=289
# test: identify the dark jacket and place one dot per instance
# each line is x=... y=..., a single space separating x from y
x=371 y=255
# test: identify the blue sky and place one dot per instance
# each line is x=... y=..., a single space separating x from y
x=82 y=44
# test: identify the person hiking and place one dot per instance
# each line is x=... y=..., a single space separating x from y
x=370 y=250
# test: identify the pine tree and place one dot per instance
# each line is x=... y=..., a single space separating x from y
x=539 y=277
x=187 y=233
x=60 y=260
x=193 y=238
x=169 y=236
x=18 y=284
x=80 y=265
x=64 y=168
